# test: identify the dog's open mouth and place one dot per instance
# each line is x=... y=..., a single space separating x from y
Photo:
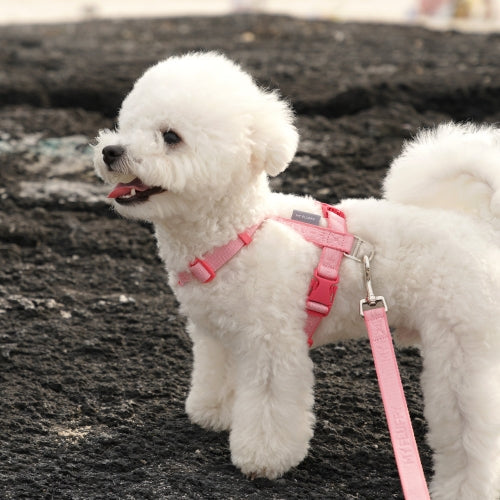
x=133 y=192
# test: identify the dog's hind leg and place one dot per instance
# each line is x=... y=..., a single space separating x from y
x=461 y=386
x=272 y=415
x=211 y=396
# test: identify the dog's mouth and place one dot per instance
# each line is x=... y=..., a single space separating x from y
x=133 y=192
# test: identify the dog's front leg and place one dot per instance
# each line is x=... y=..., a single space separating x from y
x=272 y=414
x=210 y=400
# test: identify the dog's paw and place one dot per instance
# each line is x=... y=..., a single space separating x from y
x=269 y=458
x=209 y=413
x=269 y=467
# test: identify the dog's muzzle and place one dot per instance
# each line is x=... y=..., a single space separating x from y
x=111 y=155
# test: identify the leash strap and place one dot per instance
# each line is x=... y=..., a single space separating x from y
x=396 y=410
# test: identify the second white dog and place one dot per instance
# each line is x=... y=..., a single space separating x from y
x=196 y=142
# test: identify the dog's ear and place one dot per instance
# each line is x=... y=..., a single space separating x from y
x=274 y=135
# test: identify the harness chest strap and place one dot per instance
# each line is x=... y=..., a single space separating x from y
x=205 y=268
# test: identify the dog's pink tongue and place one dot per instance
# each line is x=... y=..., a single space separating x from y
x=125 y=189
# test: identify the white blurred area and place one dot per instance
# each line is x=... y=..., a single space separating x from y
x=471 y=15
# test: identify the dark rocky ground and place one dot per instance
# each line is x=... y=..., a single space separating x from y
x=94 y=363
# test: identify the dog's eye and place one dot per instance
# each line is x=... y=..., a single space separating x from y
x=171 y=138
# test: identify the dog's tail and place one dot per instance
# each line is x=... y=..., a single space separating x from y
x=454 y=167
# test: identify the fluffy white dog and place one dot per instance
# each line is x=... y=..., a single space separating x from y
x=195 y=144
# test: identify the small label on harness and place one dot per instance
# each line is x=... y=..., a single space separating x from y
x=306 y=217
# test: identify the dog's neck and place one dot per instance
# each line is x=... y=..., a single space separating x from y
x=186 y=236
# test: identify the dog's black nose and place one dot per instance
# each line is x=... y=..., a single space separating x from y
x=111 y=153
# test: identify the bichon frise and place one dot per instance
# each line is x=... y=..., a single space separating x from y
x=195 y=144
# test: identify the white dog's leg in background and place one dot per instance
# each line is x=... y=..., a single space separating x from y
x=210 y=400
x=461 y=386
x=272 y=415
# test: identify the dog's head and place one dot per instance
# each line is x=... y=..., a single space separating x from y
x=194 y=128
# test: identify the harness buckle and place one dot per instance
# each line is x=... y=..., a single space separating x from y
x=321 y=294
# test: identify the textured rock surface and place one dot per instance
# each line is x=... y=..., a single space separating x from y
x=94 y=361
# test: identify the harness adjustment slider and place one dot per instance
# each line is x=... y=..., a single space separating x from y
x=202 y=271
x=245 y=238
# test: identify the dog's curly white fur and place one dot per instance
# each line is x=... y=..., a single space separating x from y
x=198 y=129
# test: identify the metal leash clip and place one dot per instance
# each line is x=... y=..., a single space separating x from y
x=371 y=299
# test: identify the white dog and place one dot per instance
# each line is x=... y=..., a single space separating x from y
x=195 y=144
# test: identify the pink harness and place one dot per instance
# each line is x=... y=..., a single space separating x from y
x=336 y=242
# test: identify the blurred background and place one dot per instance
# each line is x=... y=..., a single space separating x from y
x=470 y=15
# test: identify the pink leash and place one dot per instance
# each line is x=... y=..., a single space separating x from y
x=405 y=448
